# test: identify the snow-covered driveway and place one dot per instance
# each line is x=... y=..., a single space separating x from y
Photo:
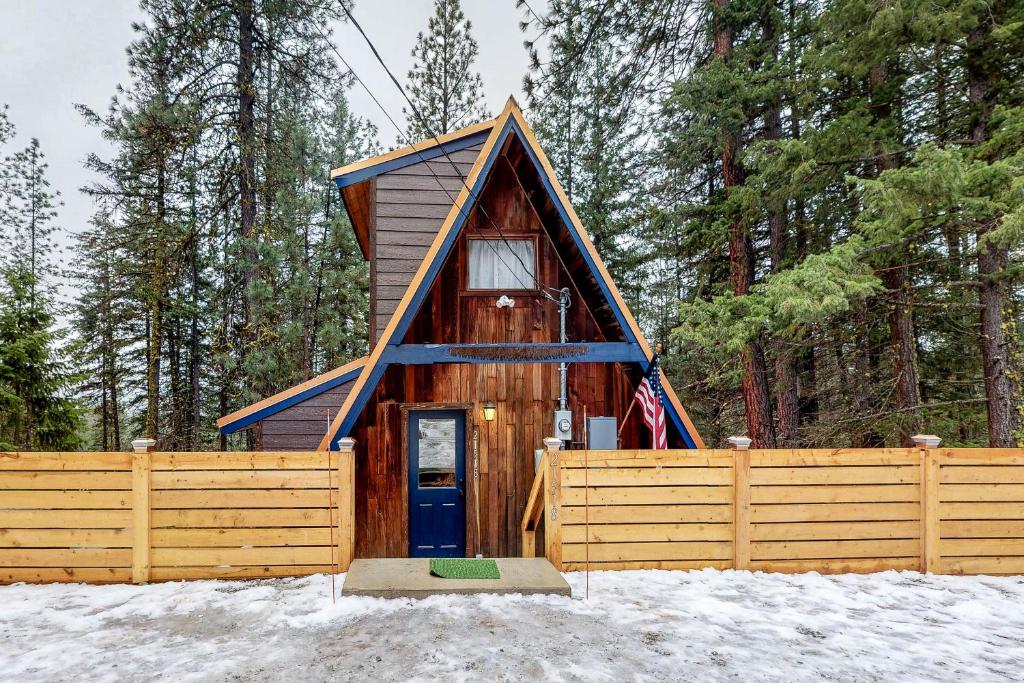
x=652 y=625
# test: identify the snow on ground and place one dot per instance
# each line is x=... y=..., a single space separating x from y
x=650 y=625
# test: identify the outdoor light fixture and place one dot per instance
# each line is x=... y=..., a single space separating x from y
x=490 y=410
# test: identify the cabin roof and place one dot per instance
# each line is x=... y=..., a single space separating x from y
x=354 y=180
x=510 y=123
x=245 y=417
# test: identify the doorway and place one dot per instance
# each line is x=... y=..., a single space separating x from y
x=437 y=483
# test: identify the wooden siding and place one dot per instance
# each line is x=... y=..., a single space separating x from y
x=301 y=426
x=525 y=393
x=409 y=208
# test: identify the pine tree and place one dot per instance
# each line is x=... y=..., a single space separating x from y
x=442 y=85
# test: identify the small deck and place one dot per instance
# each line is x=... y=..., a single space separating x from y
x=411 y=578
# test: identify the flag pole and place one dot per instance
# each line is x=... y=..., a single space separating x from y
x=657 y=350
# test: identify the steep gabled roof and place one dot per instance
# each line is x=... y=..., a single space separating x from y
x=240 y=419
x=510 y=122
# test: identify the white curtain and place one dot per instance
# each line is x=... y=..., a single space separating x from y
x=501 y=264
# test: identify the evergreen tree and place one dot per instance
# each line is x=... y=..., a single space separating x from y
x=442 y=84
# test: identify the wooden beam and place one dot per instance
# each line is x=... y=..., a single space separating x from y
x=590 y=352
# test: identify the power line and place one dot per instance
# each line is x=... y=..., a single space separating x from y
x=431 y=170
x=426 y=126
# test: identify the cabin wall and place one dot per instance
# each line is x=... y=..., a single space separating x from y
x=302 y=426
x=525 y=393
x=409 y=207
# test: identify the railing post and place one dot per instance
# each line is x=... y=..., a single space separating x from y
x=741 y=501
x=346 y=502
x=931 y=553
x=141 y=468
x=553 y=503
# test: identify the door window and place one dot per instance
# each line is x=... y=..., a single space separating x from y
x=436 y=453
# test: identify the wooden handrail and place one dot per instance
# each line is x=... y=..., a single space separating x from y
x=534 y=510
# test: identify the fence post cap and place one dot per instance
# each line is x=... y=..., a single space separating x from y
x=552 y=444
x=346 y=443
x=926 y=440
x=740 y=443
x=144 y=445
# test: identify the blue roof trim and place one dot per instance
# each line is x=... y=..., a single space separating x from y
x=409 y=159
x=434 y=267
x=242 y=423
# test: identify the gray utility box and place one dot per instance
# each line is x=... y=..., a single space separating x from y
x=602 y=434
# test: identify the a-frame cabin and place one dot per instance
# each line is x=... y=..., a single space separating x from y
x=455 y=228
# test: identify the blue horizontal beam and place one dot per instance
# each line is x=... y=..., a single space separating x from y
x=289 y=401
x=582 y=352
x=411 y=158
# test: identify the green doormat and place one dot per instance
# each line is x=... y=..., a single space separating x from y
x=464 y=569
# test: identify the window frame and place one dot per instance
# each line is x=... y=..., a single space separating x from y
x=470 y=291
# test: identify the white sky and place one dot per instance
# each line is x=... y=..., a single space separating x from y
x=55 y=53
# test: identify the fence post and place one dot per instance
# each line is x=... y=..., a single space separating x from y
x=141 y=468
x=741 y=501
x=346 y=502
x=931 y=553
x=553 y=504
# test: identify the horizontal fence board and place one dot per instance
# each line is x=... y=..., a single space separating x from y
x=238 y=572
x=647 y=495
x=244 y=517
x=259 y=460
x=837 y=566
x=987 y=528
x=804 y=531
x=625 y=533
x=65 y=500
x=242 y=498
x=955 y=493
x=65 y=557
x=981 y=474
x=65 y=574
x=65 y=461
x=833 y=476
x=65 y=519
x=63 y=480
x=835 y=512
x=648 y=564
x=824 y=549
x=981 y=510
x=980 y=456
x=238 y=479
x=191 y=557
x=237 y=538
x=638 y=458
x=646 y=514
x=648 y=476
x=982 y=547
x=61 y=538
x=982 y=565
x=834 y=457
x=618 y=552
x=848 y=493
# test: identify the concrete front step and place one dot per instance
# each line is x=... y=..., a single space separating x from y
x=411 y=578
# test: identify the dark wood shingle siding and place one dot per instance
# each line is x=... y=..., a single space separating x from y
x=409 y=210
x=303 y=425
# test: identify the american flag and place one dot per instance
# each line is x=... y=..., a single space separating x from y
x=651 y=399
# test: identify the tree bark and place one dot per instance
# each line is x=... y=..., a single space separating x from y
x=1000 y=387
x=246 y=90
x=756 y=397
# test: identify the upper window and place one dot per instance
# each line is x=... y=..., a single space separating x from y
x=502 y=264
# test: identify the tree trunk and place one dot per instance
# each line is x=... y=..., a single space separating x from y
x=246 y=91
x=756 y=397
x=1000 y=386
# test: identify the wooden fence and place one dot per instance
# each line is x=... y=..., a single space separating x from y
x=118 y=517
x=951 y=511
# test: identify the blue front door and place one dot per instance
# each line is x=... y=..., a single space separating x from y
x=437 y=483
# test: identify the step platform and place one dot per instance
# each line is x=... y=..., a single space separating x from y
x=411 y=578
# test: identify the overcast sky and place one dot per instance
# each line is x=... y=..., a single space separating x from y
x=55 y=53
